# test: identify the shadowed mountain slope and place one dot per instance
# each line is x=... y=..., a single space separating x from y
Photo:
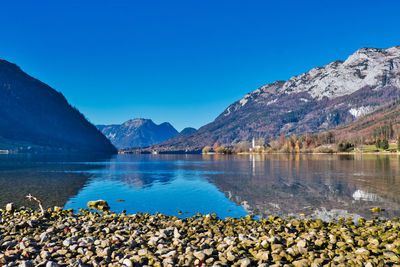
x=34 y=114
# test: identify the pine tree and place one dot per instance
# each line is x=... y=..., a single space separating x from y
x=385 y=144
x=378 y=143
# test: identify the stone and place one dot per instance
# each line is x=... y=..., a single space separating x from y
x=302 y=243
x=51 y=264
x=363 y=251
x=142 y=252
x=26 y=264
x=177 y=235
x=10 y=207
x=200 y=255
x=391 y=255
x=127 y=262
x=100 y=205
x=245 y=262
x=44 y=254
x=67 y=243
x=301 y=263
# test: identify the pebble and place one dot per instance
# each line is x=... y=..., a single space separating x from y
x=10 y=207
x=127 y=262
x=65 y=238
x=26 y=264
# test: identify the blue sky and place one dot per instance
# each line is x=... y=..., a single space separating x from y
x=182 y=61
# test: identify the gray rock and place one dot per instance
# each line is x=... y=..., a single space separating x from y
x=67 y=243
x=127 y=262
x=302 y=243
x=44 y=254
x=200 y=255
x=142 y=252
x=51 y=264
x=26 y=264
x=245 y=262
x=10 y=207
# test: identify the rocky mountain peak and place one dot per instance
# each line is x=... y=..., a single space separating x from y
x=135 y=123
x=366 y=67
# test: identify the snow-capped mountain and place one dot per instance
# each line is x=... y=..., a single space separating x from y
x=316 y=100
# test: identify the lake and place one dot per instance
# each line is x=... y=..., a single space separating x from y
x=318 y=186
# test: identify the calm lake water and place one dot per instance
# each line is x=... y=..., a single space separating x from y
x=320 y=186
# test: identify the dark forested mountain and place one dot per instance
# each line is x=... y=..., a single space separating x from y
x=137 y=133
x=187 y=131
x=34 y=115
x=320 y=99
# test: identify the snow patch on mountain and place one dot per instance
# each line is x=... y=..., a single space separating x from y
x=272 y=101
x=361 y=111
x=243 y=101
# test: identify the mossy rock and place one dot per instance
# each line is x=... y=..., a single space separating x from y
x=100 y=205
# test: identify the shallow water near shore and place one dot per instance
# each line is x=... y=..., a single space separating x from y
x=317 y=186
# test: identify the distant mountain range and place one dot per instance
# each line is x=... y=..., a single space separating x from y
x=323 y=98
x=33 y=116
x=137 y=133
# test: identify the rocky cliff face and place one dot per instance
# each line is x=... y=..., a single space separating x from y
x=137 y=133
x=34 y=115
x=320 y=99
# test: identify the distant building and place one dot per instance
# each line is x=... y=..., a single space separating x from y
x=257 y=143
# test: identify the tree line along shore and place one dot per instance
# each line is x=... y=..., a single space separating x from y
x=381 y=139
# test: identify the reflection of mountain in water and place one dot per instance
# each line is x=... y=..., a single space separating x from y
x=144 y=171
x=46 y=177
x=320 y=185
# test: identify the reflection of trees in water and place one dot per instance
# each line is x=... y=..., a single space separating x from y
x=146 y=170
x=52 y=178
x=292 y=184
x=280 y=184
x=266 y=184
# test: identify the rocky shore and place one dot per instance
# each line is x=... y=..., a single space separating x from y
x=85 y=238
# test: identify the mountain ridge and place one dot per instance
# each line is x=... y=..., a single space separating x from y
x=138 y=132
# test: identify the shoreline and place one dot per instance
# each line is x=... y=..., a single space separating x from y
x=85 y=238
x=317 y=153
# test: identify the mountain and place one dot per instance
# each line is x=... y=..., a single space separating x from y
x=187 y=131
x=364 y=126
x=137 y=133
x=32 y=114
x=320 y=99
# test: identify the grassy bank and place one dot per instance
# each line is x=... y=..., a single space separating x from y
x=64 y=237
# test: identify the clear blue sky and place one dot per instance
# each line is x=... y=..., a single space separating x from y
x=182 y=61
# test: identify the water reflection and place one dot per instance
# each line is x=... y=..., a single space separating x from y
x=47 y=177
x=324 y=186
x=171 y=184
